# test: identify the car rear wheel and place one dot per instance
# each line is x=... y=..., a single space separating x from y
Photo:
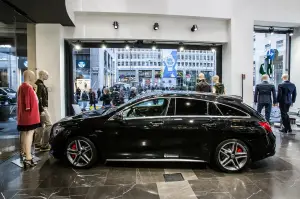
x=81 y=152
x=232 y=155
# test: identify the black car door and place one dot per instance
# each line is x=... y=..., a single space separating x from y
x=139 y=132
x=190 y=125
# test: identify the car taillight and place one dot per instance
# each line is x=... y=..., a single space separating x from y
x=266 y=126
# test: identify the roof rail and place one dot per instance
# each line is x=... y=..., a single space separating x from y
x=231 y=97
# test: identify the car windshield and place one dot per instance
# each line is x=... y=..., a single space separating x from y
x=9 y=90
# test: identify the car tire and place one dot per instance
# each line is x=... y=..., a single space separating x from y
x=232 y=156
x=80 y=152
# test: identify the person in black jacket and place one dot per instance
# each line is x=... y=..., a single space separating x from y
x=106 y=98
x=92 y=97
x=202 y=85
x=286 y=96
x=264 y=95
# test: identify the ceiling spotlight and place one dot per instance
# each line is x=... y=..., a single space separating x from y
x=127 y=46
x=116 y=24
x=194 y=28
x=271 y=30
x=77 y=45
x=213 y=48
x=103 y=46
x=155 y=26
x=291 y=31
x=181 y=47
x=154 y=46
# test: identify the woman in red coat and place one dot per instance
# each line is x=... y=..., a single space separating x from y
x=28 y=116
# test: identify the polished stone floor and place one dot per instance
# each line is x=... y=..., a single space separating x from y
x=275 y=177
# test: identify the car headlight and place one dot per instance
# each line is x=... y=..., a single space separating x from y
x=56 y=129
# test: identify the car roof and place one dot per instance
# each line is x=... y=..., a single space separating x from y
x=192 y=94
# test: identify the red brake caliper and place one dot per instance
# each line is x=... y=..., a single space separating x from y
x=239 y=150
x=74 y=148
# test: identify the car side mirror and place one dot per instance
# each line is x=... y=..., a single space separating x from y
x=118 y=116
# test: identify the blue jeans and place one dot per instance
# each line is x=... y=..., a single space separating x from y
x=268 y=109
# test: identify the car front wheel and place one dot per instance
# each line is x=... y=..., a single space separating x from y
x=232 y=155
x=81 y=152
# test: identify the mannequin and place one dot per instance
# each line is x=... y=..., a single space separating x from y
x=218 y=87
x=42 y=139
x=28 y=116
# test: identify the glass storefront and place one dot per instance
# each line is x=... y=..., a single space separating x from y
x=159 y=68
x=13 y=62
x=270 y=56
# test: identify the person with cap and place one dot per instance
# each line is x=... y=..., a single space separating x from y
x=202 y=85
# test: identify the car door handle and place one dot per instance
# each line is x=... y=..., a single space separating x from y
x=210 y=124
x=159 y=123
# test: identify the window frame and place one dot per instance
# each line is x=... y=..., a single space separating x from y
x=148 y=117
x=183 y=116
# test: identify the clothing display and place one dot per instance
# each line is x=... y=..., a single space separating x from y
x=28 y=112
x=203 y=86
x=42 y=93
x=219 y=88
x=44 y=132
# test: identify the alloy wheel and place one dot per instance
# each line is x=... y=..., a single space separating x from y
x=233 y=156
x=79 y=153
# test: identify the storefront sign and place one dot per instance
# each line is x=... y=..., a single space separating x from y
x=169 y=63
x=83 y=69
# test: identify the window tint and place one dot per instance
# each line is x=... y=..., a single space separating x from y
x=228 y=111
x=154 y=107
x=171 y=110
x=213 y=110
x=190 y=107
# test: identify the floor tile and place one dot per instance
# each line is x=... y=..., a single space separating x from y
x=188 y=174
x=175 y=190
x=88 y=181
x=105 y=192
x=149 y=175
x=145 y=191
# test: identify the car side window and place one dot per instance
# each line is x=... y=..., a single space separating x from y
x=191 y=107
x=150 y=108
x=228 y=111
x=213 y=109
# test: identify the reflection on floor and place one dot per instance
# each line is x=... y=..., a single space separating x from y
x=275 y=177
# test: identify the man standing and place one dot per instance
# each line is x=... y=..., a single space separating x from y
x=92 y=97
x=202 y=85
x=263 y=96
x=42 y=94
x=286 y=97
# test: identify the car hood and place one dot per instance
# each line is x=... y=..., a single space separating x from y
x=88 y=114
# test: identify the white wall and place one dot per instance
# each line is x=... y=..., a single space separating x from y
x=50 y=57
x=295 y=63
x=202 y=8
x=268 y=10
x=221 y=21
x=99 y=26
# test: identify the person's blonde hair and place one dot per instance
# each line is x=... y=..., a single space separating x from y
x=264 y=77
x=216 y=78
x=201 y=76
x=285 y=76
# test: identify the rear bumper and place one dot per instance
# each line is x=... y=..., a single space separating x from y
x=264 y=148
